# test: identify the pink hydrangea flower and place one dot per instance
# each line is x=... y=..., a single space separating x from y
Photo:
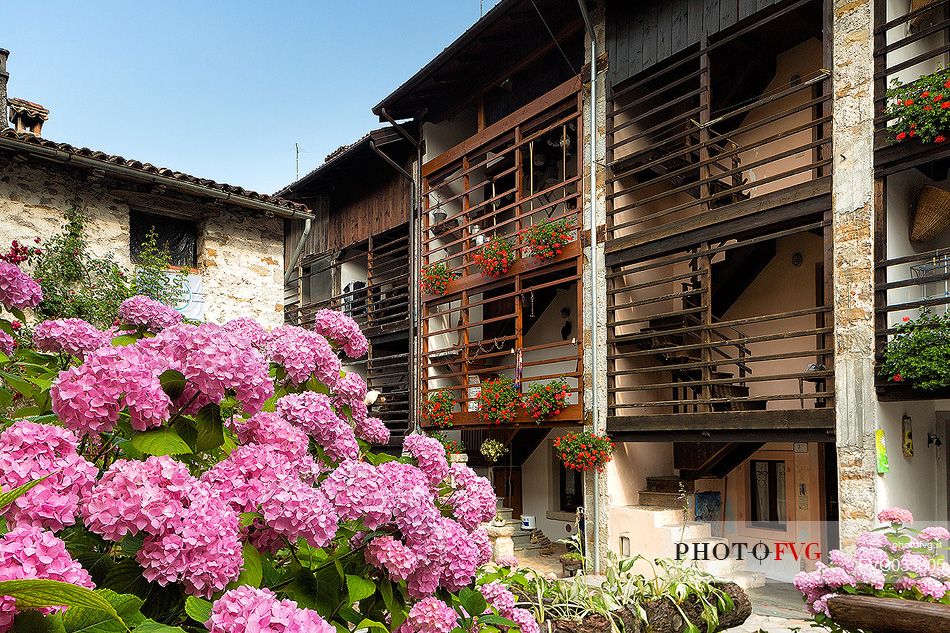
x=507 y=561
x=868 y=574
x=254 y=472
x=430 y=455
x=525 y=620
x=391 y=555
x=473 y=501
x=358 y=491
x=145 y=312
x=72 y=336
x=895 y=515
x=872 y=556
x=930 y=587
x=29 y=451
x=498 y=596
x=272 y=430
x=17 y=289
x=429 y=615
x=200 y=549
x=88 y=398
x=876 y=540
x=302 y=354
x=314 y=413
x=30 y=552
x=934 y=533
x=372 y=430
x=134 y=496
x=248 y=330
x=7 y=343
x=840 y=559
x=915 y=564
x=299 y=510
x=255 y=610
x=342 y=331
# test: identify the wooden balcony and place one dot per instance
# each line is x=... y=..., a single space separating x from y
x=907 y=45
x=525 y=169
x=906 y=286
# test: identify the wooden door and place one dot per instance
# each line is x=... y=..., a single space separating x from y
x=507 y=482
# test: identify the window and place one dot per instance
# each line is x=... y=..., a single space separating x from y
x=179 y=236
x=570 y=488
x=767 y=486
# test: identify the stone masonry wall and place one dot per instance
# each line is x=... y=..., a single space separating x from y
x=853 y=223
x=240 y=253
x=240 y=257
x=33 y=200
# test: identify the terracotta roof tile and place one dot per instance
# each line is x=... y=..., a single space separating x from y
x=147 y=168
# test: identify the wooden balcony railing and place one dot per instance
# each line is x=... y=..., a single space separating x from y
x=907 y=45
x=670 y=156
x=680 y=341
x=524 y=169
x=905 y=287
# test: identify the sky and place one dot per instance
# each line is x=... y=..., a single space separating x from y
x=222 y=89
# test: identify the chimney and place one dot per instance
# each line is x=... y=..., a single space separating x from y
x=27 y=116
x=4 y=76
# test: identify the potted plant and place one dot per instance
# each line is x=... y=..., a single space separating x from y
x=919 y=352
x=437 y=409
x=573 y=560
x=435 y=278
x=545 y=400
x=498 y=401
x=920 y=109
x=547 y=239
x=454 y=449
x=584 y=451
x=495 y=257
x=492 y=450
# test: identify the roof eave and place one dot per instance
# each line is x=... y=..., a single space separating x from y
x=130 y=173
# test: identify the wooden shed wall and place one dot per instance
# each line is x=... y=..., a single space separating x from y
x=643 y=33
x=366 y=203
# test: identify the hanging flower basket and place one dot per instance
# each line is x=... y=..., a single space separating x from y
x=492 y=450
x=920 y=109
x=919 y=352
x=498 y=401
x=545 y=400
x=547 y=239
x=435 y=278
x=496 y=257
x=584 y=451
x=437 y=409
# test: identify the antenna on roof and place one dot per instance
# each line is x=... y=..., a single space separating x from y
x=297 y=149
x=481 y=8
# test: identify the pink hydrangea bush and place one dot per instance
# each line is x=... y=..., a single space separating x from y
x=18 y=291
x=70 y=336
x=235 y=465
x=895 y=560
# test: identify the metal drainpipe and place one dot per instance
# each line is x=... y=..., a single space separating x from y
x=308 y=223
x=594 y=365
x=415 y=230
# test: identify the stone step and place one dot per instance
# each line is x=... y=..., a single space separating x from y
x=689 y=531
x=669 y=500
x=668 y=484
x=505 y=513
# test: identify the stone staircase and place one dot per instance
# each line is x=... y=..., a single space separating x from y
x=521 y=538
x=662 y=519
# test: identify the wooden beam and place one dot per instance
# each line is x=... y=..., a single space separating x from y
x=888 y=615
x=573 y=415
x=745 y=421
x=501 y=126
x=789 y=203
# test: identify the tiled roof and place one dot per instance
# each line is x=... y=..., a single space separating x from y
x=147 y=169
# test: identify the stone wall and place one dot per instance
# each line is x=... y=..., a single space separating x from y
x=853 y=222
x=240 y=258
x=33 y=199
x=240 y=253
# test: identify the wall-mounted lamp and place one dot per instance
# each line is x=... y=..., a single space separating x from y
x=934 y=440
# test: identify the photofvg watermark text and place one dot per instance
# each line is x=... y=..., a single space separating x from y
x=740 y=550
